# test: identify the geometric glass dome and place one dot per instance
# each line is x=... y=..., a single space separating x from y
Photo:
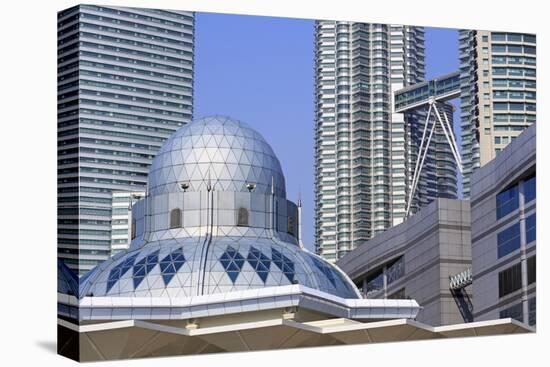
x=225 y=152
x=227 y=235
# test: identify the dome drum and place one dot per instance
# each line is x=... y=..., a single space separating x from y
x=229 y=209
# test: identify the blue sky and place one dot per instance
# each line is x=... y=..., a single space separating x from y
x=260 y=70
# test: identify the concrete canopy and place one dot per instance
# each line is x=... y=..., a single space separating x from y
x=253 y=332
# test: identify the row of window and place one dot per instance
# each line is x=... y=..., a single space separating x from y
x=125 y=116
x=515 y=71
x=123 y=106
x=508 y=200
x=514 y=106
x=515 y=117
x=512 y=37
x=129 y=70
x=500 y=94
x=531 y=50
x=131 y=89
x=518 y=60
x=514 y=83
x=133 y=61
x=136 y=16
x=153 y=129
x=117 y=50
x=146 y=36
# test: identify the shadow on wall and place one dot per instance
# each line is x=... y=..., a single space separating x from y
x=464 y=304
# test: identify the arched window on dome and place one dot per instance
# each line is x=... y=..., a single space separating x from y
x=242 y=217
x=175 y=218
x=290 y=225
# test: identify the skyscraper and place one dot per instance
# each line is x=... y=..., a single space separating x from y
x=364 y=152
x=498 y=93
x=125 y=83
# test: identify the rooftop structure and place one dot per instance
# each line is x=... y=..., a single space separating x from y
x=214 y=239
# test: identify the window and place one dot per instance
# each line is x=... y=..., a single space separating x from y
x=509 y=280
x=530 y=189
x=529 y=50
x=290 y=225
x=529 y=38
x=175 y=218
x=532 y=269
x=133 y=230
x=531 y=228
x=514 y=312
x=507 y=201
x=242 y=217
x=508 y=240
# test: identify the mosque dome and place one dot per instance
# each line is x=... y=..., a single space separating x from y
x=218 y=150
x=227 y=237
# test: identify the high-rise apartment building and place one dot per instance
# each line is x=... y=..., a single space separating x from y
x=498 y=93
x=364 y=152
x=125 y=83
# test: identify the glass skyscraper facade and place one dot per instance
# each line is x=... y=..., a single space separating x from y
x=364 y=152
x=125 y=83
x=498 y=93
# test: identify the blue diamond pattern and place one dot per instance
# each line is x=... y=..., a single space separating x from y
x=119 y=270
x=259 y=262
x=284 y=263
x=144 y=266
x=232 y=261
x=170 y=265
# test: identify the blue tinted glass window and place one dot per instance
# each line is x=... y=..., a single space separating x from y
x=531 y=228
x=143 y=267
x=530 y=189
x=508 y=240
x=170 y=265
x=507 y=201
x=259 y=262
x=232 y=261
x=119 y=270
